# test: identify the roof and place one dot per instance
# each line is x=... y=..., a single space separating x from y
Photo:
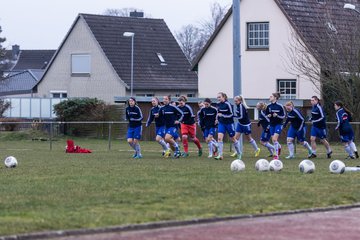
x=19 y=83
x=312 y=20
x=33 y=59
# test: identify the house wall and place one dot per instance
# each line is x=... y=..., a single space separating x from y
x=103 y=82
x=260 y=69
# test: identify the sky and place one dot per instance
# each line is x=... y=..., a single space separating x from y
x=43 y=24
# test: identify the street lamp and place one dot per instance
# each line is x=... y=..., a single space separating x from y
x=131 y=34
x=351 y=7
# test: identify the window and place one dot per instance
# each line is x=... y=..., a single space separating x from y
x=258 y=35
x=161 y=58
x=145 y=95
x=287 y=88
x=80 y=64
x=190 y=95
x=58 y=94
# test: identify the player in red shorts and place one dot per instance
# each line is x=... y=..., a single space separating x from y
x=188 y=127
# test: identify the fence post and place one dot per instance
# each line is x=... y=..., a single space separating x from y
x=51 y=135
x=110 y=125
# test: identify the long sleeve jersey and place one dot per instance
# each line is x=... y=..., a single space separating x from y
x=296 y=118
x=318 y=117
x=159 y=122
x=134 y=116
x=264 y=121
x=207 y=117
x=226 y=109
x=189 y=116
x=170 y=114
x=343 y=122
x=279 y=110
x=241 y=113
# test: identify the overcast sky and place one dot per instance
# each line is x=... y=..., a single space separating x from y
x=43 y=24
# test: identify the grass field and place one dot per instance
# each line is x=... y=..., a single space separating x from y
x=52 y=190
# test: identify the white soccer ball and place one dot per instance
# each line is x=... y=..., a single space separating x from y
x=337 y=167
x=262 y=165
x=10 y=162
x=307 y=166
x=237 y=165
x=275 y=165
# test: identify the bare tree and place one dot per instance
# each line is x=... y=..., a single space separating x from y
x=2 y=55
x=192 y=38
x=123 y=12
x=329 y=56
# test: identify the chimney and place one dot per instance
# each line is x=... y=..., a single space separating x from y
x=137 y=14
x=15 y=51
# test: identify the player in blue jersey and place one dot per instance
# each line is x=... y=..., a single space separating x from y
x=275 y=112
x=343 y=117
x=225 y=124
x=207 y=118
x=318 y=129
x=188 y=127
x=172 y=116
x=134 y=116
x=264 y=122
x=297 y=130
x=201 y=105
x=159 y=124
x=244 y=124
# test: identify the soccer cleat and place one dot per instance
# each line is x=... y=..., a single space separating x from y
x=329 y=154
x=210 y=156
x=218 y=157
x=271 y=155
x=138 y=156
x=135 y=155
x=356 y=154
x=275 y=157
x=185 y=154
x=167 y=153
x=177 y=154
x=163 y=153
x=200 y=152
x=257 y=152
x=233 y=154
x=290 y=157
x=312 y=155
x=350 y=157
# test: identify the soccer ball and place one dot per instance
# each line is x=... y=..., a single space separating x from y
x=307 y=166
x=10 y=162
x=262 y=165
x=237 y=165
x=275 y=165
x=337 y=167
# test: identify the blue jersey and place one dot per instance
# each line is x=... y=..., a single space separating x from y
x=318 y=117
x=241 y=113
x=199 y=122
x=189 y=117
x=279 y=110
x=264 y=121
x=170 y=114
x=343 y=125
x=134 y=116
x=226 y=109
x=296 y=118
x=154 y=114
x=207 y=117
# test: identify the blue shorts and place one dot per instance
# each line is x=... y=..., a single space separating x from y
x=276 y=129
x=173 y=132
x=348 y=137
x=210 y=131
x=293 y=133
x=265 y=136
x=243 y=128
x=160 y=131
x=223 y=128
x=318 y=132
x=134 y=133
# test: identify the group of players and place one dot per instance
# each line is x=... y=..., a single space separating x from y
x=170 y=117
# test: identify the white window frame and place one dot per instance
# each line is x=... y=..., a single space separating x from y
x=258 y=35
x=80 y=64
x=288 y=86
x=62 y=94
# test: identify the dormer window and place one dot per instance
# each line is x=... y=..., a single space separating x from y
x=161 y=58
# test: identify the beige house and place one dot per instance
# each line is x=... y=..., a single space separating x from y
x=269 y=29
x=94 y=60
